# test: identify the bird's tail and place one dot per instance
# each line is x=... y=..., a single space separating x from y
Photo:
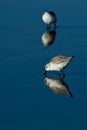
x=72 y=57
x=70 y=94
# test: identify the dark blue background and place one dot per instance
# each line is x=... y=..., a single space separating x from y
x=26 y=103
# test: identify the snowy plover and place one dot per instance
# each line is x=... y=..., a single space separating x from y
x=58 y=63
x=49 y=18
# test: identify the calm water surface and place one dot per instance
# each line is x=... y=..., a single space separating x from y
x=26 y=102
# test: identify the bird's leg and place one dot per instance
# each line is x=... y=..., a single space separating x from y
x=48 y=27
x=54 y=26
x=62 y=74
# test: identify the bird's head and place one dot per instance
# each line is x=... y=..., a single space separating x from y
x=47 y=67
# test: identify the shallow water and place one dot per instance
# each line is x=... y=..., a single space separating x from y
x=26 y=102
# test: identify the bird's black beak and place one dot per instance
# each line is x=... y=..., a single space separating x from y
x=45 y=73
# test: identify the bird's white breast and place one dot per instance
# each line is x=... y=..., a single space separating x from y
x=59 y=66
x=47 y=18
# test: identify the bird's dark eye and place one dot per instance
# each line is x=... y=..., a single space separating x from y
x=45 y=67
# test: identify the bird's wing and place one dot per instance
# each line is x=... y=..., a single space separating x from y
x=58 y=59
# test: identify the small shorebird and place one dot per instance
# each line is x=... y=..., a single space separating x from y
x=48 y=37
x=58 y=63
x=58 y=86
x=49 y=18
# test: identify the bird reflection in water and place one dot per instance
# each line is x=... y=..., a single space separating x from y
x=57 y=86
x=48 y=37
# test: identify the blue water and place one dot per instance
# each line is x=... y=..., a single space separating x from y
x=26 y=102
